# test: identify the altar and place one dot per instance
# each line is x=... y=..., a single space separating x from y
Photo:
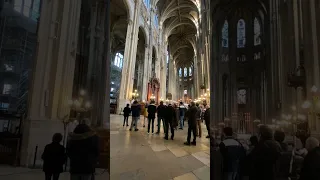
x=154 y=89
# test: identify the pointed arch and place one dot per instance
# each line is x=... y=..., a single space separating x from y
x=257 y=32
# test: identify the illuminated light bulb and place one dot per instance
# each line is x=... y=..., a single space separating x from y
x=88 y=105
x=314 y=89
x=306 y=105
x=82 y=92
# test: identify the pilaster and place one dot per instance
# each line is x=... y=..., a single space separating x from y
x=52 y=78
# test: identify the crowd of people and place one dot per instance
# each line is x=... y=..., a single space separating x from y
x=268 y=157
x=172 y=116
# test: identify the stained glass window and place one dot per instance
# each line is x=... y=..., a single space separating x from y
x=185 y=72
x=257 y=32
x=242 y=96
x=225 y=35
x=180 y=72
x=241 y=34
x=190 y=71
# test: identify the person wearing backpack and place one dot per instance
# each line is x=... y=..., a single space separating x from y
x=232 y=153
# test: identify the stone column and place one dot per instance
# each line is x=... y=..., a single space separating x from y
x=146 y=70
x=52 y=76
x=126 y=64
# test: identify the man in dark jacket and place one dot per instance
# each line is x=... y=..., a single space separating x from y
x=170 y=121
x=265 y=156
x=232 y=153
x=192 y=123
x=206 y=118
x=198 y=116
x=126 y=113
x=161 y=110
x=182 y=110
x=53 y=158
x=83 y=151
x=135 y=109
x=311 y=164
x=152 y=109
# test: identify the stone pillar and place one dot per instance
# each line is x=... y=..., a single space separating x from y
x=126 y=64
x=146 y=71
x=105 y=78
x=52 y=76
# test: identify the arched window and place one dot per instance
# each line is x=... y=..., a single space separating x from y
x=167 y=57
x=190 y=71
x=180 y=72
x=156 y=20
x=241 y=34
x=225 y=34
x=257 y=32
x=118 y=60
x=185 y=72
x=147 y=3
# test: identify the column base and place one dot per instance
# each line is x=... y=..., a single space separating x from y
x=36 y=135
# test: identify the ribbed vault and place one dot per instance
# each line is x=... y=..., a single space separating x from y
x=179 y=21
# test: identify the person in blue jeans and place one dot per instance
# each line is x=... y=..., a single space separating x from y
x=135 y=112
x=182 y=111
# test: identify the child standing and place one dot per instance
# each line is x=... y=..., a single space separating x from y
x=53 y=158
x=126 y=113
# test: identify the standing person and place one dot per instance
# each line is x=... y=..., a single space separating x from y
x=126 y=113
x=135 y=111
x=182 y=110
x=265 y=156
x=152 y=109
x=83 y=151
x=170 y=120
x=192 y=124
x=232 y=153
x=198 y=116
x=145 y=114
x=161 y=110
x=206 y=118
x=311 y=164
x=53 y=158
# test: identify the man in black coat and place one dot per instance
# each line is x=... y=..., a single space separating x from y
x=126 y=113
x=206 y=118
x=170 y=120
x=83 y=151
x=152 y=109
x=191 y=114
x=161 y=111
x=311 y=164
x=265 y=156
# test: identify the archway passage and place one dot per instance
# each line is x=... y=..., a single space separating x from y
x=181 y=27
x=119 y=24
x=138 y=83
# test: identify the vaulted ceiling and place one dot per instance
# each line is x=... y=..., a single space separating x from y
x=179 y=20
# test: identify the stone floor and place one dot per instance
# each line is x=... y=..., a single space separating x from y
x=20 y=173
x=140 y=156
